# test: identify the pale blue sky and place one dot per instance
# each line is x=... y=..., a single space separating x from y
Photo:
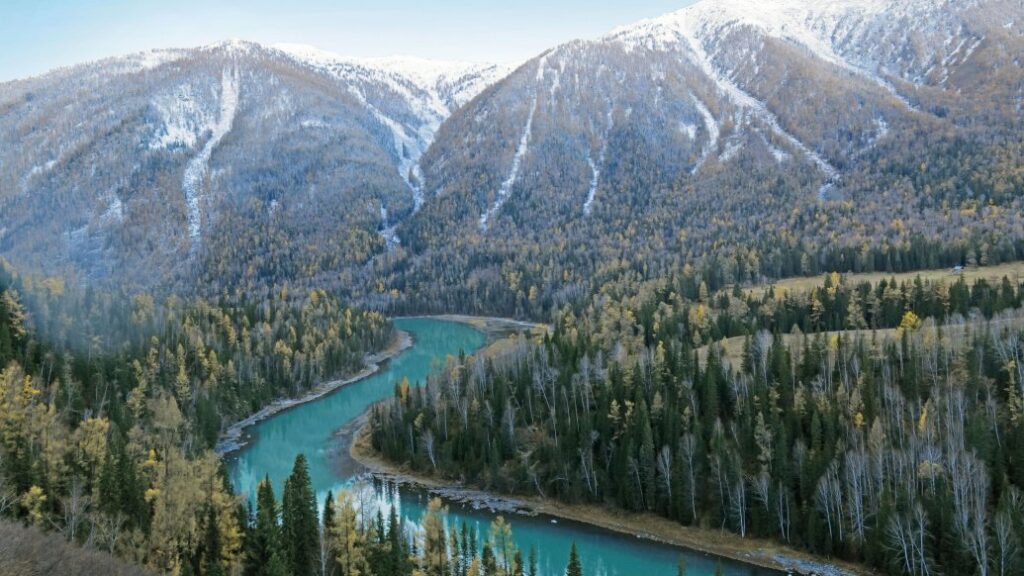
x=38 y=35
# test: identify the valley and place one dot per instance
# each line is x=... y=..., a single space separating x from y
x=736 y=289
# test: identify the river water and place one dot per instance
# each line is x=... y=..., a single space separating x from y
x=309 y=428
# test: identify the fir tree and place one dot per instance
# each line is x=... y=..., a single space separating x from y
x=300 y=525
x=263 y=543
x=574 y=568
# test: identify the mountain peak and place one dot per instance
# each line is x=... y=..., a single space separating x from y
x=795 y=19
x=424 y=73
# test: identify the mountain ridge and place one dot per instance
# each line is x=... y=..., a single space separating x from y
x=794 y=133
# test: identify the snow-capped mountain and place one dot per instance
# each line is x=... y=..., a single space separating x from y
x=147 y=165
x=839 y=125
x=422 y=94
x=829 y=96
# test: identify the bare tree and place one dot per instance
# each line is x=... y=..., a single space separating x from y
x=587 y=464
x=665 y=470
x=108 y=529
x=75 y=505
x=969 y=483
x=427 y=441
x=857 y=486
x=829 y=500
x=1006 y=542
x=907 y=533
x=688 y=452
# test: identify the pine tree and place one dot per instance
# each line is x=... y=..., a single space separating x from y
x=397 y=563
x=263 y=544
x=574 y=568
x=489 y=562
x=211 y=547
x=300 y=524
x=327 y=528
x=517 y=564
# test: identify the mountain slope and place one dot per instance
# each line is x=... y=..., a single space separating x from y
x=758 y=138
x=235 y=164
x=839 y=132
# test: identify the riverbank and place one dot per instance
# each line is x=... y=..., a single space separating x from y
x=763 y=553
x=233 y=439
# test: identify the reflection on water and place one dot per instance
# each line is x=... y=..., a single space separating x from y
x=309 y=428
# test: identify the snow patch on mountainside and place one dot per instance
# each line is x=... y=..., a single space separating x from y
x=506 y=186
x=182 y=119
x=197 y=169
x=595 y=174
x=744 y=100
x=152 y=59
x=824 y=29
x=595 y=168
x=711 y=126
x=423 y=93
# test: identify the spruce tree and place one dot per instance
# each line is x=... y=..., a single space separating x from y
x=326 y=539
x=397 y=552
x=574 y=568
x=211 y=547
x=517 y=564
x=301 y=533
x=263 y=544
x=490 y=563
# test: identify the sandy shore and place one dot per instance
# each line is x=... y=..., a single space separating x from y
x=233 y=438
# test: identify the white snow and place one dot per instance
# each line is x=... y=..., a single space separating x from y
x=506 y=186
x=408 y=148
x=748 y=102
x=689 y=129
x=115 y=211
x=816 y=26
x=595 y=168
x=592 y=191
x=883 y=128
x=197 y=169
x=711 y=126
x=732 y=148
x=182 y=119
x=153 y=58
x=36 y=171
x=388 y=231
x=427 y=91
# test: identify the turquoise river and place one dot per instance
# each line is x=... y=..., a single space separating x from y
x=310 y=428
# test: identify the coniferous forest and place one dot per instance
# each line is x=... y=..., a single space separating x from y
x=111 y=407
x=889 y=434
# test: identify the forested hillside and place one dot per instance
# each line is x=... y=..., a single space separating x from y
x=764 y=140
x=110 y=408
x=875 y=423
